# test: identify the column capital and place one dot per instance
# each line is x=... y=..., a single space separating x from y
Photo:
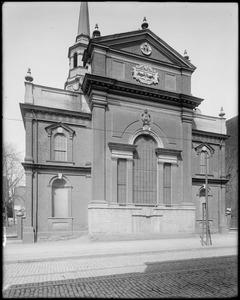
x=98 y=99
x=187 y=115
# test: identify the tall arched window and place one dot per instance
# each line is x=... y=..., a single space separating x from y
x=145 y=171
x=75 y=57
x=60 y=199
x=60 y=147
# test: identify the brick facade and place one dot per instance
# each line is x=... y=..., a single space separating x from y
x=110 y=101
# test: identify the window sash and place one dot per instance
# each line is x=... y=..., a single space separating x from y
x=203 y=163
x=121 y=180
x=167 y=183
x=60 y=147
x=145 y=171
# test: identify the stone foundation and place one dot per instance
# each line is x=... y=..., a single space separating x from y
x=132 y=219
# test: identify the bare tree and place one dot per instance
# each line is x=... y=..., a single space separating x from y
x=13 y=176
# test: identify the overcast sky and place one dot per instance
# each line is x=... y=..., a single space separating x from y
x=37 y=35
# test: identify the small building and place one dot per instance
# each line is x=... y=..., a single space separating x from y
x=232 y=170
x=121 y=149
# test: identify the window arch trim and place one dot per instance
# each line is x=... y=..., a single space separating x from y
x=68 y=188
x=149 y=133
x=60 y=128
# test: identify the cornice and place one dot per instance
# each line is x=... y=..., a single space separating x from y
x=63 y=168
x=168 y=151
x=110 y=85
x=119 y=146
x=210 y=180
x=196 y=132
x=56 y=111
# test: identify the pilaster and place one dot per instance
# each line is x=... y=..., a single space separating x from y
x=98 y=107
x=28 y=233
x=187 y=118
x=223 y=228
x=28 y=92
x=29 y=139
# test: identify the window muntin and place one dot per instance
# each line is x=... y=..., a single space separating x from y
x=121 y=180
x=203 y=162
x=167 y=184
x=60 y=147
x=145 y=171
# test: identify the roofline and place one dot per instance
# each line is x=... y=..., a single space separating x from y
x=137 y=33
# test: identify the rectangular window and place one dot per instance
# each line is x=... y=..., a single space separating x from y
x=203 y=163
x=60 y=147
x=121 y=180
x=167 y=183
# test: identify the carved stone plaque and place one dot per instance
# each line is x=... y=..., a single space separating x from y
x=145 y=74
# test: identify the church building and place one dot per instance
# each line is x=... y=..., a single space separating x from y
x=123 y=148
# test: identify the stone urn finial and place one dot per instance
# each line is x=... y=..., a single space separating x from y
x=29 y=77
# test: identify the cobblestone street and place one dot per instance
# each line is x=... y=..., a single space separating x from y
x=201 y=277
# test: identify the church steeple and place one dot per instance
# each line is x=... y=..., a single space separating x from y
x=75 y=52
x=83 y=23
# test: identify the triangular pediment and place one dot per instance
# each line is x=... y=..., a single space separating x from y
x=146 y=45
x=58 y=125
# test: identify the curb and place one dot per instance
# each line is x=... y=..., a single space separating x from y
x=115 y=254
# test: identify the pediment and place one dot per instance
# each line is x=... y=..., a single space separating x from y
x=208 y=148
x=53 y=127
x=145 y=44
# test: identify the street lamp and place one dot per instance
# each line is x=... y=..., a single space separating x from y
x=204 y=149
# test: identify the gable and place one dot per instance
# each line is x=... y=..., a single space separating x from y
x=136 y=48
x=133 y=43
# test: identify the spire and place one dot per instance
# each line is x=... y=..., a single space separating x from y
x=83 y=23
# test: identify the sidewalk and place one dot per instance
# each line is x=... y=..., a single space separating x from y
x=17 y=251
x=81 y=258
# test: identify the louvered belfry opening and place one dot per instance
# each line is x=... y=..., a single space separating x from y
x=145 y=171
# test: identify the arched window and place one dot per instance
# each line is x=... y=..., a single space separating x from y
x=60 y=147
x=60 y=199
x=145 y=170
x=75 y=57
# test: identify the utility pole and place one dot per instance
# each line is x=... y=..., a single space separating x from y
x=208 y=238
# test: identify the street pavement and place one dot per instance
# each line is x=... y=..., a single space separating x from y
x=83 y=258
x=214 y=277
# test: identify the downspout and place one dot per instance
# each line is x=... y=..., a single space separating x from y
x=35 y=227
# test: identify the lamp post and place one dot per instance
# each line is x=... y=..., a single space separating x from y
x=204 y=149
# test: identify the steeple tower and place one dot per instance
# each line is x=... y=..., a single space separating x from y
x=83 y=24
x=75 y=52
